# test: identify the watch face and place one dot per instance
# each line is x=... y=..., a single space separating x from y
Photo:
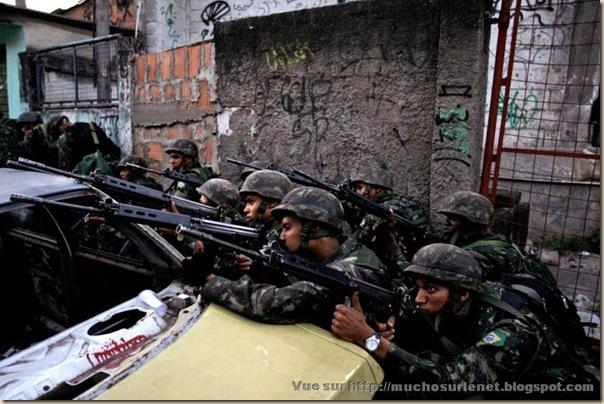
x=372 y=344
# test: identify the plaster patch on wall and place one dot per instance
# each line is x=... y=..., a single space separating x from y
x=223 y=121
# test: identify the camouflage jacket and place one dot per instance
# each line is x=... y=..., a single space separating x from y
x=495 y=346
x=395 y=256
x=299 y=302
x=40 y=145
x=10 y=147
x=493 y=259
x=188 y=191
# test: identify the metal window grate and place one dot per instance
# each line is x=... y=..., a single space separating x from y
x=78 y=74
x=543 y=140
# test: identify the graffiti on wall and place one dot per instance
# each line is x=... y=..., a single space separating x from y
x=303 y=100
x=455 y=91
x=454 y=127
x=520 y=112
x=212 y=14
x=109 y=124
x=170 y=20
x=214 y=11
x=285 y=55
x=531 y=11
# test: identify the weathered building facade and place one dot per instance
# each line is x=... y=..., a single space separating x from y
x=334 y=89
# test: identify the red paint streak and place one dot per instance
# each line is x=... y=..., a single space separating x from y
x=114 y=349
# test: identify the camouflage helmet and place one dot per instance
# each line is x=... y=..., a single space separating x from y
x=139 y=161
x=470 y=205
x=248 y=170
x=30 y=117
x=312 y=204
x=266 y=183
x=449 y=264
x=183 y=146
x=221 y=192
x=373 y=176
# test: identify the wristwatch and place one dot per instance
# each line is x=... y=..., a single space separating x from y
x=373 y=342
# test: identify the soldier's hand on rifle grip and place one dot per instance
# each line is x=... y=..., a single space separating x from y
x=348 y=323
x=199 y=247
x=173 y=207
x=387 y=329
x=243 y=262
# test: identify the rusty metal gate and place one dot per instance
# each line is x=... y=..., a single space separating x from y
x=541 y=164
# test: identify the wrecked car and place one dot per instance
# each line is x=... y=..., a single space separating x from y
x=98 y=309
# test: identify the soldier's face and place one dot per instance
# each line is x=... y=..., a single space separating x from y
x=291 y=234
x=176 y=160
x=63 y=124
x=366 y=190
x=125 y=174
x=252 y=204
x=204 y=199
x=452 y=223
x=431 y=297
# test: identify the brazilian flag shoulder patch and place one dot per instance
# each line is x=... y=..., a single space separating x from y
x=495 y=338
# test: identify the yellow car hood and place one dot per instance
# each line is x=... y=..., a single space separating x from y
x=226 y=356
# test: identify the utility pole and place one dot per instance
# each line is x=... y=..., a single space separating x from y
x=102 y=56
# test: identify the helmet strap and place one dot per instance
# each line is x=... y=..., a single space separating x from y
x=262 y=208
x=304 y=235
x=454 y=237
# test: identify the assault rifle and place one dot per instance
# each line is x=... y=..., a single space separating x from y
x=130 y=213
x=343 y=192
x=144 y=195
x=173 y=175
x=291 y=174
x=381 y=302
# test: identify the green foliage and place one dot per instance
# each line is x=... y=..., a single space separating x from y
x=573 y=243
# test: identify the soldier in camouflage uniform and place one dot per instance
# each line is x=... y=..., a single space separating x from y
x=262 y=191
x=41 y=142
x=26 y=122
x=137 y=177
x=468 y=217
x=9 y=141
x=184 y=157
x=376 y=185
x=491 y=334
x=312 y=221
x=12 y=134
x=221 y=193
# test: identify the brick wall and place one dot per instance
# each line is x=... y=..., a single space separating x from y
x=174 y=97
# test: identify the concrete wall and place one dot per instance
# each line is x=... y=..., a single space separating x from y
x=174 y=97
x=169 y=24
x=335 y=89
x=555 y=80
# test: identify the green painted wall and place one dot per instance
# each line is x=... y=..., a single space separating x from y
x=14 y=39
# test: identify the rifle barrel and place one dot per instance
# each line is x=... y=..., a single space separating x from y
x=43 y=201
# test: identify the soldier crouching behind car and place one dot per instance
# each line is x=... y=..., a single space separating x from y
x=313 y=223
x=483 y=335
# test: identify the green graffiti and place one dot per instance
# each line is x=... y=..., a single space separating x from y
x=454 y=127
x=281 y=56
x=519 y=113
x=168 y=13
